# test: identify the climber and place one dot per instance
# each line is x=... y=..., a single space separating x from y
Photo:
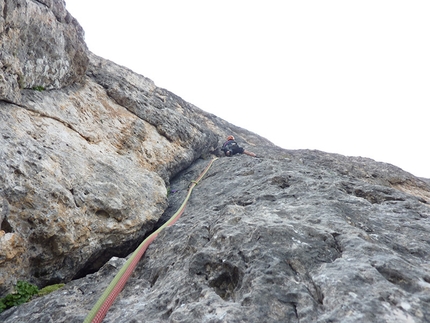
x=230 y=148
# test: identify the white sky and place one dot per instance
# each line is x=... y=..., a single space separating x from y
x=349 y=77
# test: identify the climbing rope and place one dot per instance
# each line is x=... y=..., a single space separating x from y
x=98 y=312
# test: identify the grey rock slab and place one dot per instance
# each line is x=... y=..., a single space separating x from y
x=276 y=240
x=84 y=177
x=41 y=46
x=94 y=157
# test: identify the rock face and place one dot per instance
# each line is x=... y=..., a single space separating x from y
x=83 y=178
x=85 y=166
x=41 y=45
x=90 y=167
x=298 y=236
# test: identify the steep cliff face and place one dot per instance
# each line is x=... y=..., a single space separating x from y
x=84 y=166
x=95 y=163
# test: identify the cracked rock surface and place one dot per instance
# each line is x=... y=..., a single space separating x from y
x=94 y=157
x=87 y=148
x=85 y=163
x=298 y=236
x=41 y=45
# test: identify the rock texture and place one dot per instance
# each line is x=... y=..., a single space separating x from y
x=300 y=236
x=85 y=166
x=90 y=167
x=41 y=45
x=83 y=178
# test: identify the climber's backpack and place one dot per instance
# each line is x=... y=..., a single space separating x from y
x=229 y=146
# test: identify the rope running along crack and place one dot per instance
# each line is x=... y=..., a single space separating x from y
x=100 y=309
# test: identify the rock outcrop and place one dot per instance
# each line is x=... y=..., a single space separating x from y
x=41 y=46
x=101 y=157
x=300 y=236
x=85 y=166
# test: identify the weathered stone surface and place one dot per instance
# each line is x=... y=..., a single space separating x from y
x=186 y=127
x=84 y=178
x=189 y=129
x=12 y=263
x=41 y=45
x=66 y=197
x=89 y=167
x=299 y=236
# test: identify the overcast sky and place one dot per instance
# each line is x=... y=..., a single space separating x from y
x=348 y=77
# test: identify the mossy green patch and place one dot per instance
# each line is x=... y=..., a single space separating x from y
x=23 y=292
x=49 y=289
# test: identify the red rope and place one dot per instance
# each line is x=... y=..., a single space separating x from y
x=99 y=311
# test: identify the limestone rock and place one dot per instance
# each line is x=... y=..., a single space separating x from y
x=185 y=126
x=12 y=262
x=41 y=46
x=103 y=158
x=84 y=169
x=299 y=236
x=67 y=197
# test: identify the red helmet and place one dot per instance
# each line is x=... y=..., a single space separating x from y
x=230 y=138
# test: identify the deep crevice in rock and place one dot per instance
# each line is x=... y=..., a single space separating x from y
x=99 y=259
x=96 y=261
